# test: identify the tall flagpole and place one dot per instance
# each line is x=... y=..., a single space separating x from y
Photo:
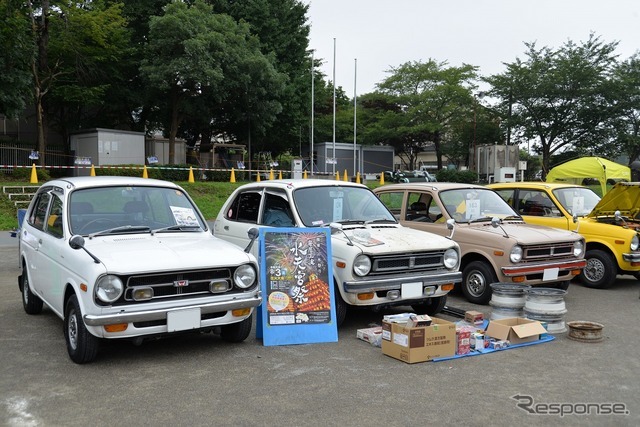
x=355 y=77
x=334 y=107
x=312 y=109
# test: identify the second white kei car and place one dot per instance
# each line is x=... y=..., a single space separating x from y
x=376 y=261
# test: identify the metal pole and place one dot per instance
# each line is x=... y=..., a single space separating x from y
x=312 y=109
x=334 y=107
x=355 y=76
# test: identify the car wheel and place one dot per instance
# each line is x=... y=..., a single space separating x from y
x=341 y=308
x=31 y=302
x=476 y=280
x=430 y=306
x=601 y=270
x=81 y=345
x=237 y=332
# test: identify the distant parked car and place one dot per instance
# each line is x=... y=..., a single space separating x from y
x=129 y=258
x=610 y=226
x=376 y=261
x=496 y=244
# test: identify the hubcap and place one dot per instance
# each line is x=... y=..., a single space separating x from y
x=594 y=271
x=476 y=284
x=72 y=330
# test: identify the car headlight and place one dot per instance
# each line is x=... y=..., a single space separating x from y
x=451 y=258
x=516 y=254
x=635 y=243
x=578 y=248
x=362 y=265
x=109 y=288
x=244 y=276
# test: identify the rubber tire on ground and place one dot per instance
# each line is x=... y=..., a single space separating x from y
x=341 y=308
x=601 y=260
x=237 y=332
x=31 y=302
x=431 y=306
x=482 y=275
x=637 y=276
x=81 y=345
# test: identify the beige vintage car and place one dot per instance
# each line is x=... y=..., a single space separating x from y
x=496 y=245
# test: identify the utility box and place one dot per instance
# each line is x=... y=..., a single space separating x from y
x=296 y=168
x=102 y=147
x=507 y=174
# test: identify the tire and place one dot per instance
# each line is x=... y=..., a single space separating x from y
x=237 y=332
x=476 y=280
x=601 y=270
x=81 y=345
x=341 y=308
x=637 y=276
x=31 y=303
x=431 y=306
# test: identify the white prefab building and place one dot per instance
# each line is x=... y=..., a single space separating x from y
x=101 y=147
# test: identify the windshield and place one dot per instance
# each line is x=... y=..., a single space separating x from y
x=577 y=200
x=468 y=204
x=116 y=210
x=322 y=205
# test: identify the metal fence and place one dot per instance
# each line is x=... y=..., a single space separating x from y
x=20 y=154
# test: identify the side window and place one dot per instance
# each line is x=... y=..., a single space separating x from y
x=507 y=196
x=417 y=207
x=245 y=207
x=54 y=221
x=277 y=212
x=393 y=202
x=38 y=215
x=538 y=203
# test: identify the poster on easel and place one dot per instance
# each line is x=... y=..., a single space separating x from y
x=296 y=277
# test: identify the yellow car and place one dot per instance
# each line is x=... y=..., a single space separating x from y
x=610 y=226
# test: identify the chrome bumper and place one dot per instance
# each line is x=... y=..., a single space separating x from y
x=634 y=257
x=161 y=314
x=388 y=284
x=539 y=268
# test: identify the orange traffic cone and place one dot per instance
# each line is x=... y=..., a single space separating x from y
x=144 y=172
x=233 y=176
x=191 y=174
x=34 y=175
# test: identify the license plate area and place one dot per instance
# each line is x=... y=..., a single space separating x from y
x=183 y=320
x=411 y=290
x=550 y=274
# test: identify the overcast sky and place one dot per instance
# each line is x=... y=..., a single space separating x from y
x=387 y=33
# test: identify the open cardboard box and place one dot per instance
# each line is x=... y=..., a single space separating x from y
x=420 y=344
x=516 y=330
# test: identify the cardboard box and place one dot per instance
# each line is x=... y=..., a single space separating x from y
x=516 y=330
x=473 y=317
x=413 y=345
x=463 y=341
x=371 y=335
x=418 y=320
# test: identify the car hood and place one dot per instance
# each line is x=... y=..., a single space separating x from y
x=527 y=234
x=391 y=239
x=623 y=197
x=164 y=252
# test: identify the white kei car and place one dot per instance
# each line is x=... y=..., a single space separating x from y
x=129 y=258
x=376 y=261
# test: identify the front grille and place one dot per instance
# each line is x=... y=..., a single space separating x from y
x=548 y=252
x=196 y=283
x=407 y=263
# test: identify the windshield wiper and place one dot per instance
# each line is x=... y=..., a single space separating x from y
x=177 y=228
x=480 y=219
x=120 y=229
x=512 y=217
x=350 y=221
x=381 y=221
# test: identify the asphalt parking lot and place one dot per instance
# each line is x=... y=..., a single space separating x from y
x=198 y=379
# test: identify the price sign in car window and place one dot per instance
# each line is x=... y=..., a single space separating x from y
x=297 y=283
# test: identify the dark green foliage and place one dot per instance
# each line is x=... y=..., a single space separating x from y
x=453 y=175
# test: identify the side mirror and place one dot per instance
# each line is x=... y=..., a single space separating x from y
x=77 y=242
x=451 y=226
x=253 y=235
x=495 y=222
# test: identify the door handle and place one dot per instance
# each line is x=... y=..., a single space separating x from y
x=226 y=227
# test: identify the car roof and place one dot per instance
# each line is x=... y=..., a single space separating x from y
x=98 y=181
x=301 y=183
x=438 y=186
x=533 y=184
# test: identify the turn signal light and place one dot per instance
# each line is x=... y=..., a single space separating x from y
x=142 y=294
x=447 y=287
x=364 y=297
x=241 y=312
x=117 y=327
x=575 y=272
x=519 y=279
x=341 y=264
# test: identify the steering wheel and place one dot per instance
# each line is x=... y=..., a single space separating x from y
x=97 y=221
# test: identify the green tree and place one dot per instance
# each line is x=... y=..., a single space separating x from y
x=423 y=100
x=558 y=98
x=627 y=96
x=17 y=52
